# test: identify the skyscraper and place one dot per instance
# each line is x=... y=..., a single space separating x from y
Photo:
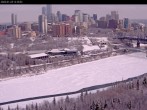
x=42 y=21
x=85 y=17
x=108 y=17
x=49 y=13
x=114 y=15
x=13 y=19
x=14 y=31
x=59 y=15
x=126 y=23
x=95 y=17
x=80 y=15
x=44 y=10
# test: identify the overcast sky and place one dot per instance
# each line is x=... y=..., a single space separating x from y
x=31 y=12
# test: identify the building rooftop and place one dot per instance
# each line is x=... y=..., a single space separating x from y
x=38 y=55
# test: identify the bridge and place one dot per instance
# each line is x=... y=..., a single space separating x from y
x=132 y=38
x=139 y=40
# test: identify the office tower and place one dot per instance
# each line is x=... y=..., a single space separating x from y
x=17 y=32
x=102 y=18
x=54 y=17
x=34 y=26
x=13 y=19
x=85 y=17
x=120 y=24
x=113 y=24
x=44 y=10
x=76 y=18
x=126 y=23
x=108 y=17
x=80 y=15
x=102 y=24
x=62 y=30
x=65 y=17
x=26 y=26
x=59 y=16
x=114 y=15
x=14 y=31
x=49 y=13
x=42 y=21
x=92 y=21
x=95 y=17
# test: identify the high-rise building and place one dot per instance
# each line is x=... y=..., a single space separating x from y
x=85 y=17
x=42 y=21
x=120 y=24
x=14 y=31
x=49 y=13
x=65 y=17
x=95 y=17
x=54 y=18
x=114 y=15
x=108 y=17
x=80 y=15
x=102 y=24
x=126 y=23
x=13 y=19
x=35 y=26
x=62 y=30
x=113 y=24
x=76 y=18
x=26 y=26
x=44 y=10
x=102 y=18
x=59 y=16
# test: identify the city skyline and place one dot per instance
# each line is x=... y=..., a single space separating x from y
x=24 y=11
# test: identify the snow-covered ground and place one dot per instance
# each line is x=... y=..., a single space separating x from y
x=74 y=77
x=89 y=48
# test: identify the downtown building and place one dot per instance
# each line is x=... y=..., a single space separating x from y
x=26 y=26
x=44 y=11
x=95 y=17
x=42 y=21
x=14 y=19
x=113 y=24
x=78 y=16
x=114 y=15
x=59 y=16
x=61 y=30
x=14 y=31
x=126 y=23
x=49 y=13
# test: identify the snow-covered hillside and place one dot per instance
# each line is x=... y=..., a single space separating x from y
x=74 y=77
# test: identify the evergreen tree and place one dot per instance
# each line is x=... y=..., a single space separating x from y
x=36 y=107
x=54 y=101
x=105 y=104
x=81 y=97
x=144 y=81
x=137 y=84
x=129 y=105
x=27 y=108
x=9 y=108
x=17 y=108
x=67 y=99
